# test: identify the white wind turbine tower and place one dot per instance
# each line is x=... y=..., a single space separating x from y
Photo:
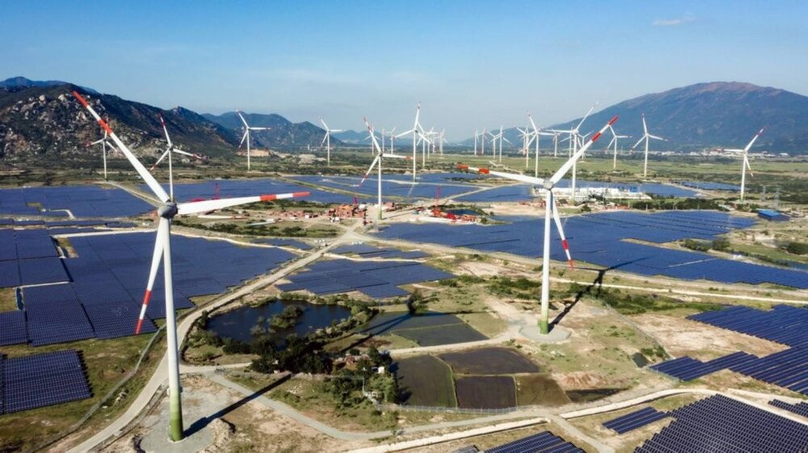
x=167 y=153
x=745 y=161
x=417 y=132
x=104 y=143
x=537 y=133
x=615 y=137
x=551 y=211
x=326 y=140
x=524 y=133
x=167 y=210
x=247 y=136
x=378 y=161
x=476 y=134
x=647 y=137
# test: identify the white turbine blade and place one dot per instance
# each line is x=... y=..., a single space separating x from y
x=503 y=138
x=165 y=129
x=184 y=153
x=644 y=126
x=511 y=176
x=749 y=167
x=417 y=114
x=611 y=142
x=568 y=164
x=585 y=116
x=141 y=170
x=370 y=169
x=406 y=133
x=746 y=150
x=530 y=117
x=732 y=150
x=657 y=138
x=159 y=160
x=195 y=207
x=335 y=131
x=638 y=142
x=373 y=136
x=560 y=229
x=242 y=119
x=97 y=142
x=325 y=137
x=396 y=156
x=243 y=137
x=260 y=128
x=324 y=125
x=157 y=255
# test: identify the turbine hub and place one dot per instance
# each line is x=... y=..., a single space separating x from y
x=168 y=210
x=548 y=185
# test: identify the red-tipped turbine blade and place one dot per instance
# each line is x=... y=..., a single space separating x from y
x=159 y=246
x=560 y=229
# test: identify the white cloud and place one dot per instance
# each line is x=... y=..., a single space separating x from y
x=673 y=22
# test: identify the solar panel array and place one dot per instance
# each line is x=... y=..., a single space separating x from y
x=544 y=442
x=42 y=380
x=710 y=185
x=369 y=251
x=600 y=239
x=12 y=328
x=29 y=257
x=721 y=424
x=376 y=279
x=687 y=369
x=799 y=408
x=783 y=324
x=634 y=420
x=82 y=201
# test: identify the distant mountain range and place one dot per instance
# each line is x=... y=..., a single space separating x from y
x=704 y=115
x=40 y=120
x=282 y=133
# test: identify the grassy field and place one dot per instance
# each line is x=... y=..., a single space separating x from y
x=489 y=361
x=426 y=381
x=8 y=299
x=539 y=389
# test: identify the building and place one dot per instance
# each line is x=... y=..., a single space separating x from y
x=771 y=215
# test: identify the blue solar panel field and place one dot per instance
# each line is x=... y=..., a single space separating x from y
x=718 y=423
x=82 y=201
x=634 y=420
x=600 y=239
x=545 y=442
x=41 y=380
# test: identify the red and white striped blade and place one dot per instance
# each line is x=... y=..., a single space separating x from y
x=159 y=248
x=196 y=207
x=373 y=137
x=568 y=164
x=147 y=177
x=746 y=150
x=370 y=169
x=560 y=229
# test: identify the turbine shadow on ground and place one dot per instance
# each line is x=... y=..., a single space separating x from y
x=205 y=421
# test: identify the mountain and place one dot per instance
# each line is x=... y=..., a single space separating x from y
x=42 y=121
x=21 y=82
x=352 y=136
x=282 y=133
x=704 y=115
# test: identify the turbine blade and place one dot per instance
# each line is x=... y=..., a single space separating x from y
x=638 y=143
x=242 y=119
x=243 y=137
x=155 y=187
x=745 y=150
x=159 y=160
x=165 y=129
x=157 y=255
x=568 y=164
x=195 y=207
x=370 y=169
x=511 y=176
x=560 y=229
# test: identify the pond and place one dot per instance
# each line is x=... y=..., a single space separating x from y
x=238 y=324
x=462 y=211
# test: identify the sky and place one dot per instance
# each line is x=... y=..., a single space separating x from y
x=471 y=64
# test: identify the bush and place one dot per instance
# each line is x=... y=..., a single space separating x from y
x=797 y=248
x=721 y=244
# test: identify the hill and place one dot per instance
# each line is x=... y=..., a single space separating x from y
x=704 y=115
x=282 y=133
x=45 y=122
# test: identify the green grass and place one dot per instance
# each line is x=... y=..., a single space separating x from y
x=8 y=299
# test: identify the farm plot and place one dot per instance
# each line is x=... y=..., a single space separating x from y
x=539 y=389
x=490 y=392
x=489 y=361
x=425 y=381
x=428 y=329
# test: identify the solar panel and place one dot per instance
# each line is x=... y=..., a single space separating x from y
x=544 y=442
x=12 y=328
x=43 y=380
x=634 y=420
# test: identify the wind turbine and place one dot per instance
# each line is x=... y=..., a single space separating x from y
x=573 y=138
x=537 y=133
x=476 y=134
x=745 y=164
x=378 y=161
x=104 y=143
x=168 y=152
x=247 y=129
x=416 y=131
x=326 y=139
x=615 y=137
x=162 y=249
x=551 y=211
x=647 y=137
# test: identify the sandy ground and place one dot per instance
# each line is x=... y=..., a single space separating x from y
x=248 y=427
x=701 y=341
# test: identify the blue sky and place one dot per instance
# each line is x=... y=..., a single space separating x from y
x=471 y=64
